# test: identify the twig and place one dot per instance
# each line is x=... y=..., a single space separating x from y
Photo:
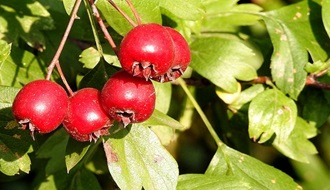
x=64 y=38
x=200 y=112
x=136 y=15
x=65 y=82
x=310 y=81
x=122 y=13
x=103 y=27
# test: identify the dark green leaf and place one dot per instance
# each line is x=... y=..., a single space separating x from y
x=297 y=146
x=54 y=149
x=14 y=155
x=86 y=180
x=32 y=20
x=222 y=61
x=137 y=159
x=119 y=23
x=325 y=15
x=271 y=112
x=98 y=76
x=74 y=152
x=250 y=171
x=207 y=182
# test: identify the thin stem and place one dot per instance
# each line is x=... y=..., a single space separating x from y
x=200 y=112
x=65 y=82
x=103 y=27
x=93 y=24
x=122 y=13
x=136 y=15
x=64 y=38
x=321 y=73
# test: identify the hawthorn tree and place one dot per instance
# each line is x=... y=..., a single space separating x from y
x=250 y=111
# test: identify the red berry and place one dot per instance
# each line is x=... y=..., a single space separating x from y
x=41 y=106
x=182 y=57
x=128 y=99
x=85 y=119
x=147 y=51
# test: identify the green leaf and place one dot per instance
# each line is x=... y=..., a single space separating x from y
x=288 y=60
x=90 y=57
x=119 y=23
x=222 y=61
x=98 y=76
x=160 y=119
x=293 y=30
x=20 y=68
x=54 y=149
x=206 y=182
x=4 y=51
x=74 y=152
x=163 y=96
x=317 y=66
x=271 y=112
x=14 y=155
x=187 y=10
x=297 y=146
x=250 y=171
x=325 y=15
x=25 y=19
x=246 y=96
x=86 y=180
x=137 y=159
x=68 y=5
x=228 y=15
x=303 y=21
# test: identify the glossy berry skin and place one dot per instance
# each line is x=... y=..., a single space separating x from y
x=128 y=99
x=85 y=119
x=41 y=106
x=147 y=51
x=182 y=57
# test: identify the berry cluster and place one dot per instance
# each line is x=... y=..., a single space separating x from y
x=149 y=51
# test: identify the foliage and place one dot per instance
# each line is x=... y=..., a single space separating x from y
x=257 y=94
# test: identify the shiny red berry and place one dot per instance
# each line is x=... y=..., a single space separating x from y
x=40 y=106
x=182 y=57
x=85 y=119
x=128 y=99
x=147 y=51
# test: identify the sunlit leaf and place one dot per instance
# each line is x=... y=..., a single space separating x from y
x=271 y=113
x=297 y=146
x=25 y=19
x=137 y=159
x=90 y=57
x=223 y=61
x=325 y=15
x=188 y=9
x=68 y=5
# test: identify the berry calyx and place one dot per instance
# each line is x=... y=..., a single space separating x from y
x=182 y=57
x=147 y=51
x=128 y=99
x=40 y=106
x=85 y=119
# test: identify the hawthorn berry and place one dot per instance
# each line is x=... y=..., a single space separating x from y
x=147 y=51
x=128 y=99
x=40 y=106
x=182 y=57
x=86 y=120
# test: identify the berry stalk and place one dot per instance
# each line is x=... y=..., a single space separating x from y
x=122 y=13
x=64 y=39
x=136 y=15
x=200 y=112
